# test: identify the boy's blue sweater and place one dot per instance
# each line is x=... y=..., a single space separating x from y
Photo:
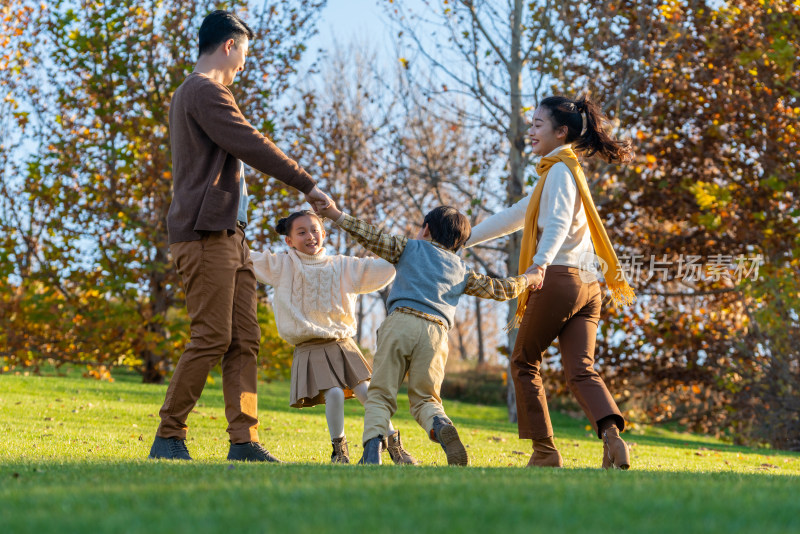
x=429 y=279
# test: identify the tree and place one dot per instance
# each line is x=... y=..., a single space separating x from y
x=713 y=101
x=499 y=57
x=710 y=93
x=103 y=170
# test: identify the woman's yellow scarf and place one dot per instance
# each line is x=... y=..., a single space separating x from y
x=621 y=292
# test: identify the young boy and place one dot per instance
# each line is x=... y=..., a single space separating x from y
x=421 y=306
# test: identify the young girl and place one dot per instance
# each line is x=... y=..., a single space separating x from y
x=561 y=225
x=314 y=305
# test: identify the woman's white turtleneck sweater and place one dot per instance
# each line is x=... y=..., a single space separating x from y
x=564 y=237
x=315 y=296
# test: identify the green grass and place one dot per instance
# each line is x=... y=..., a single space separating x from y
x=72 y=459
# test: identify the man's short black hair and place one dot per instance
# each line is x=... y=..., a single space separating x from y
x=220 y=26
x=448 y=227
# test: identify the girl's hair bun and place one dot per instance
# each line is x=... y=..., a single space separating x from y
x=283 y=226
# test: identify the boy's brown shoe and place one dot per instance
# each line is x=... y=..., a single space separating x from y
x=398 y=454
x=447 y=436
x=615 y=450
x=340 y=454
x=545 y=454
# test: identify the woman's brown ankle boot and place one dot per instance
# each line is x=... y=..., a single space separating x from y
x=545 y=454
x=615 y=450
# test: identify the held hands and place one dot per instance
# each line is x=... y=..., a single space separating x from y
x=535 y=276
x=316 y=197
x=328 y=210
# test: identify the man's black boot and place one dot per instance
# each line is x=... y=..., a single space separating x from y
x=169 y=449
x=251 y=451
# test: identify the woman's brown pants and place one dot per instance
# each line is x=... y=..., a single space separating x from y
x=568 y=309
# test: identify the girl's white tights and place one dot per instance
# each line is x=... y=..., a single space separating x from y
x=334 y=408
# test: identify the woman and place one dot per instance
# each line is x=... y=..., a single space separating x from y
x=560 y=226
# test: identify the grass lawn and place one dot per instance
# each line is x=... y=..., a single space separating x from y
x=72 y=459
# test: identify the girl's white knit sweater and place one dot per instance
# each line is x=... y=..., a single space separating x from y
x=315 y=296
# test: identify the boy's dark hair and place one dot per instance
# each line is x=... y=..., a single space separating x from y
x=284 y=226
x=218 y=27
x=448 y=227
x=585 y=124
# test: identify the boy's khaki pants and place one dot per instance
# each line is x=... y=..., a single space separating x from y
x=413 y=345
x=220 y=287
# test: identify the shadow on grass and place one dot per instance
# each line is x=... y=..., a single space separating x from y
x=219 y=496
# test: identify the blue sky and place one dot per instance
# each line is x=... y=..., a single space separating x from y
x=343 y=21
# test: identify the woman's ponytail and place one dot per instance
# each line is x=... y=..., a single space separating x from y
x=586 y=128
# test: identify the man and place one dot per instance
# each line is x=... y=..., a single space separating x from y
x=210 y=138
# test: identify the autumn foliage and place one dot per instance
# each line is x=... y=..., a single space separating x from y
x=709 y=92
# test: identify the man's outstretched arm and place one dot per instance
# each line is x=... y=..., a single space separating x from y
x=216 y=112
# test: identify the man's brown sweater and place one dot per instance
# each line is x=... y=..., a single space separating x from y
x=209 y=135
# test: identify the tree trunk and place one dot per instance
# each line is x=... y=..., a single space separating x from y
x=360 y=319
x=160 y=302
x=511 y=396
x=462 y=349
x=479 y=320
x=516 y=179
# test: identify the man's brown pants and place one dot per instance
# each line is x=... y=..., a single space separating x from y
x=568 y=309
x=220 y=288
